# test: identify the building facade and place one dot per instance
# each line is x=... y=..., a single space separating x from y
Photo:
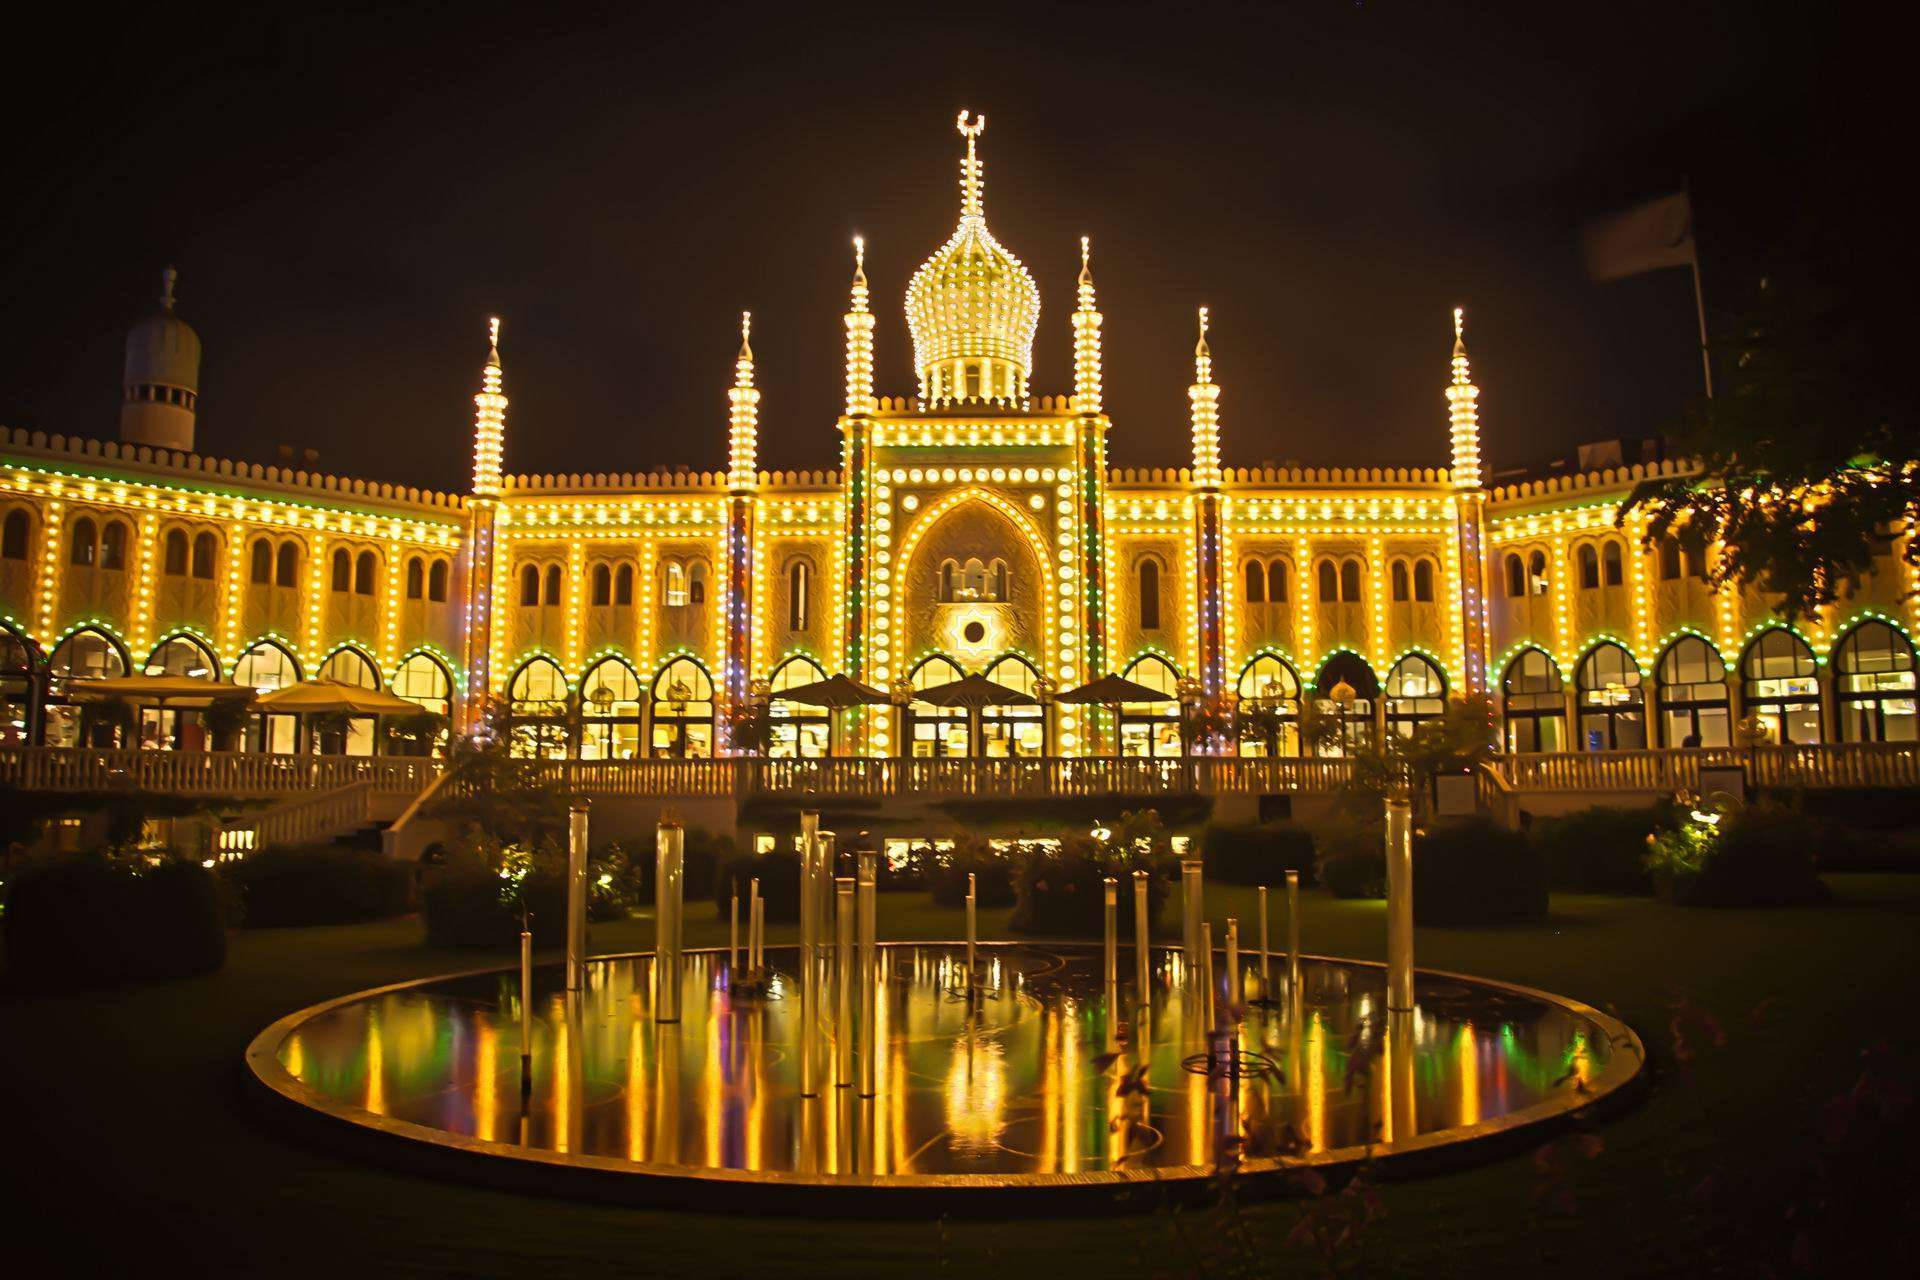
x=973 y=527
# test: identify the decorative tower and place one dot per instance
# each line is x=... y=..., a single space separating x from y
x=1093 y=424
x=1086 y=339
x=859 y=338
x=161 y=386
x=1470 y=504
x=489 y=433
x=972 y=307
x=855 y=433
x=742 y=479
x=1204 y=397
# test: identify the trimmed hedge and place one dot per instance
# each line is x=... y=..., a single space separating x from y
x=779 y=876
x=1599 y=850
x=468 y=905
x=1255 y=854
x=1355 y=875
x=1476 y=872
x=318 y=884
x=1765 y=858
x=83 y=919
x=1061 y=892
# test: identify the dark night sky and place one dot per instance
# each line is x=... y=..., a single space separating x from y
x=349 y=195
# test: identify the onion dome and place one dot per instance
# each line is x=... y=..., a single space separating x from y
x=972 y=307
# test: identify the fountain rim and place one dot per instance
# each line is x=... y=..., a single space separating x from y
x=1624 y=1066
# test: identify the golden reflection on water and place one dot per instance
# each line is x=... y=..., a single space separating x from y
x=376 y=1099
x=485 y=1066
x=976 y=1093
x=1315 y=1050
x=1467 y=1073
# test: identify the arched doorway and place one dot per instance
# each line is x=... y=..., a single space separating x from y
x=682 y=712
x=796 y=730
x=1416 y=693
x=1690 y=691
x=1874 y=685
x=347 y=665
x=1780 y=687
x=610 y=712
x=937 y=731
x=1014 y=730
x=537 y=705
x=87 y=654
x=1269 y=707
x=17 y=672
x=264 y=667
x=1613 y=712
x=1533 y=701
x=1152 y=728
x=177 y=728
x=424 y=680
x=1346 y=691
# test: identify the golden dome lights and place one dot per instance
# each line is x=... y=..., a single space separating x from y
x=972 y=308
x=1205 y=399
x=1461 y=396
x=490 y=420
x=744 y=435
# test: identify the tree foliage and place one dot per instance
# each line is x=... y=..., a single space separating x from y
x=1804 y=472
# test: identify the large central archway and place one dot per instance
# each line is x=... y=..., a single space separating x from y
x=941 y=601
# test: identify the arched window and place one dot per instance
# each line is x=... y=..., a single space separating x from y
x=1534 y=701
x=13 y=535
x=1276 y=582
x=422 y=679
x=205 y=550
x=799 y=589
x=416 y=577
x=551 y=595
x=85 y=548
x=1345 y=691
x=1269 y=719
x=364 y=568
x=1516 y=576
x=1015 y=728
x=173 y=561
x=1537 y=579
x=1610 y=564
x=1612 y=703
x=86 y=654
x=16 y=682
x=437 y=582
x=610 y=712
x=1398 y=574
x=286 y=565
x=697 y=582
x=1416 y=692
x=1423 y=581
x=1350 y=581
x=797 y=729
x=262 y=569
x=1153 y=728
x=1329 y=582
x=1256 y=579
x=1780 y=687
x=342 y=569
x=529 y=585
x=350 y=666
x=1874 y=684
x=938 y=731
x=537 y=711
x=1589 y=567
x=266 y=667
x=623 y=585
x=999 y=581
x=1691 y=692
x=182 y=656
x=675 y=593
x=1149 y=590
x=1670 y=559
x=682 y=711
x=602 y=584
x=113 y=545
x=949 y=581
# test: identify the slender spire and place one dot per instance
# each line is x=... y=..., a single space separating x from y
x=1204 y=397
x=859 y=337
x=1463 y=411
x=972 y=185
x=489 y=420
x=167 y=278
x=744 y=434
x=1086 y=338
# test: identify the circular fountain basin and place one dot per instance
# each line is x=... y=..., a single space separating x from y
x=1022 y=1094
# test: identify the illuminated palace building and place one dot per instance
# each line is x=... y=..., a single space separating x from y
x=970 y=529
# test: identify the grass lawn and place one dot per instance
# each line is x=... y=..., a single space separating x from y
x=131 y=1144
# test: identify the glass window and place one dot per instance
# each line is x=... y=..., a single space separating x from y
x=1423 y=581
x=1013 y=730
x=799 y=591
x=938 y=731
x=1589 y=560
x=342 y=569
x=286 y=565
x=610 y=711
x=174 y=559
x=416 y=577
x=1276 y=581
x=537 y=711
x=262 y=570
x=182 y=656
x=797 y=729
x=1153 y=728
x=365 y=568
x=1416 y=692
x=1874 y=684
x=205 y=552
x=1398 y=575
x=422 y=679
x=1612 y=703
x=1534 y=703
x=350 y=666
x=85 y=544
x=1256 y=580
x=1780 y=687
x=551 y=595
x=266 y=667
x=1350 y=581
x=682 y=711
x=1692 y=691
x=437 y=582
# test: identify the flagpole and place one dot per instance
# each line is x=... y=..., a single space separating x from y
x=1699 y=297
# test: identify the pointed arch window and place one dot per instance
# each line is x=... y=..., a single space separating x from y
x=1416 y=693
x=266 y=667
x=85 y=548
x=182 y=656
x=261 y=572
x=529 y=586
x=1516 y=576
x=1534 y=703
x=799 y=594
x=1014 y=729
x=1780 y=687
x=205 y=552
x=437 y=582
x=937 y=731
x=1276 y=582
x=1345 y=692
x=551 y=595
x=681 y=712
x=602 y=585
x=1874 y=685
x=174 y=557
x=365 y=569
x=1423 y=581
x=797 y=730
x=1152 y=729
x=1149 y=581
x=1611 y=701
x=86 y=654
x=537 y=705
x=13 y=535
x=610 y=712
x=1400 y=584
x=342 y=570
x=350 y=666
x=1256 y=580
x=623 y=585
x=416 y=578
x=1269 y=719
x=422 y=679
x=1690 y=691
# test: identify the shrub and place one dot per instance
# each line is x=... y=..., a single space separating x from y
x=1060 y=891
x=1355 y=875
x=1599 y=850
x=1257 y=854
x=779 y=876
x=1476 y=872
x=470 y=904
x=162 y=918
x=634 y=863
x=992 y=872
x=318 y=884
x=1763 y=857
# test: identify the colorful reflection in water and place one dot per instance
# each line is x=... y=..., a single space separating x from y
x=1026 y=1080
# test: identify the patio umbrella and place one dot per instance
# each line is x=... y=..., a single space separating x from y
x=1110 y=691
x=321 y=697
x=973 y=692
x=835 y=691
x=159 y=690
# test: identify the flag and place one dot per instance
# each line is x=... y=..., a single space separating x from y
x=1656 y=234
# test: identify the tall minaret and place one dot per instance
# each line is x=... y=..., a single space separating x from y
x=161 y=386
x=489 y=433
x=742 y=479
x=1092 y=423
x=859 y=338
x=855 y=429
x=1470 y=505
x=1204 y=398
x=1086 y=339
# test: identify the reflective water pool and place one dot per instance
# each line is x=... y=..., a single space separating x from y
x=1037 y=1077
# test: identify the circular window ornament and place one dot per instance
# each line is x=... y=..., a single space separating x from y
x=974 y=632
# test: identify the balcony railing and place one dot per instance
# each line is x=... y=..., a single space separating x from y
x=299 y=820
x=1843 y=764
x=244 y=775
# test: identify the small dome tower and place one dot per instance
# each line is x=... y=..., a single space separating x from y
x=162 y=382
